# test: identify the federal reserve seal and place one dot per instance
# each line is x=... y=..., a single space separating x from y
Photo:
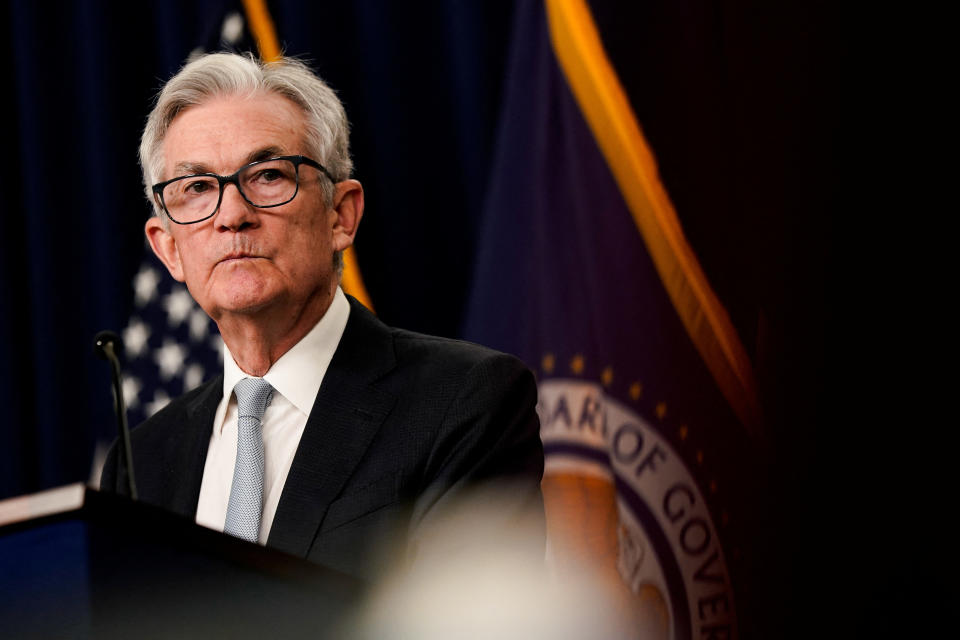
x=668 y=540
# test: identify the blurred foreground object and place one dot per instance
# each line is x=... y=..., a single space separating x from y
x=492 y=588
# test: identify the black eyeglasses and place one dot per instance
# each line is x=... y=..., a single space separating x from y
x=264 y=184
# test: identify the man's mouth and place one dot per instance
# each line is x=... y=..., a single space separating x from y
x=236 y=257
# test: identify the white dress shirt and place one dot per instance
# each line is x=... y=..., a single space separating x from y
x=296 y=379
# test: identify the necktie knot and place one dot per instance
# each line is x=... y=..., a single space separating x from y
x=253 y=397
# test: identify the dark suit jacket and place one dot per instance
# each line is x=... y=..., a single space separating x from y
x=402 y=426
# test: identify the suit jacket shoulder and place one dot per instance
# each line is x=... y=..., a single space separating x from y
x=403 y=425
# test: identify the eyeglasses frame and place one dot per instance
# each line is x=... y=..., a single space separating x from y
x=234 y=179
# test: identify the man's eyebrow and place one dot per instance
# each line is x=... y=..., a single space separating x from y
x=190 y=168
x=265 y=153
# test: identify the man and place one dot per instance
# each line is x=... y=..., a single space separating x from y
x=328 y=431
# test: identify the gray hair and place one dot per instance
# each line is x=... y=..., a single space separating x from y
x=228 y=74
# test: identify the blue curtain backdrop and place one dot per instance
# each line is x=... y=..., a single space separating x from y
x=740 y=100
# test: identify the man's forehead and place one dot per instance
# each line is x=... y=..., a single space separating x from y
x=232 y=131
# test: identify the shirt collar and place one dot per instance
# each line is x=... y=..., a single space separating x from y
x=298 y=373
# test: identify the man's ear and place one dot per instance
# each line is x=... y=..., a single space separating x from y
x=164 y=246
x=348 y=207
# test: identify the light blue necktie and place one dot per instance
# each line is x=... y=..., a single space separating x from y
x=246 y=494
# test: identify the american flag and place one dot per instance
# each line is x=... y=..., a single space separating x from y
x=170 y=344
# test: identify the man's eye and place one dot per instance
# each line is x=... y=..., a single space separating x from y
x=268 y=175
x=196 y=187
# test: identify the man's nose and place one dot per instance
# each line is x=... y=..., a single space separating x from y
x=235 y=213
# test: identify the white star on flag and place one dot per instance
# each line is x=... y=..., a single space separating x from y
x=131 y=392
x=145 y=285
x=199 y=324
x=178 y=304
x=232 y=29
x=170 y=358
x=192 y=377
x=135 y=337
x=160 y=400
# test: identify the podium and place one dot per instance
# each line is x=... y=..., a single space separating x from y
x=112 y=568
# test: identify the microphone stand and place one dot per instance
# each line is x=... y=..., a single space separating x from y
x=103 y=346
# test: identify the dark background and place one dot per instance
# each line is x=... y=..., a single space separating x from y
x=752 y=110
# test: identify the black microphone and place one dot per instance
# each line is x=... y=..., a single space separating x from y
x=105 y=345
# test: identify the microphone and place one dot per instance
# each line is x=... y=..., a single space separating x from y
x=105 y=345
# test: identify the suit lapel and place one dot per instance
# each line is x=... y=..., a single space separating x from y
x=188 y=452
x=346 y=416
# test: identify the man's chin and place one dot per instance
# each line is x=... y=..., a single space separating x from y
x=244 y=301
x=246 y=305
x=242 y=289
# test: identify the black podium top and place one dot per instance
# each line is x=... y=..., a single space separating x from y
x=118 y=569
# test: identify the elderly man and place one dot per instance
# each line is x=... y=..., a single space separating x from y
x=328 y=431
